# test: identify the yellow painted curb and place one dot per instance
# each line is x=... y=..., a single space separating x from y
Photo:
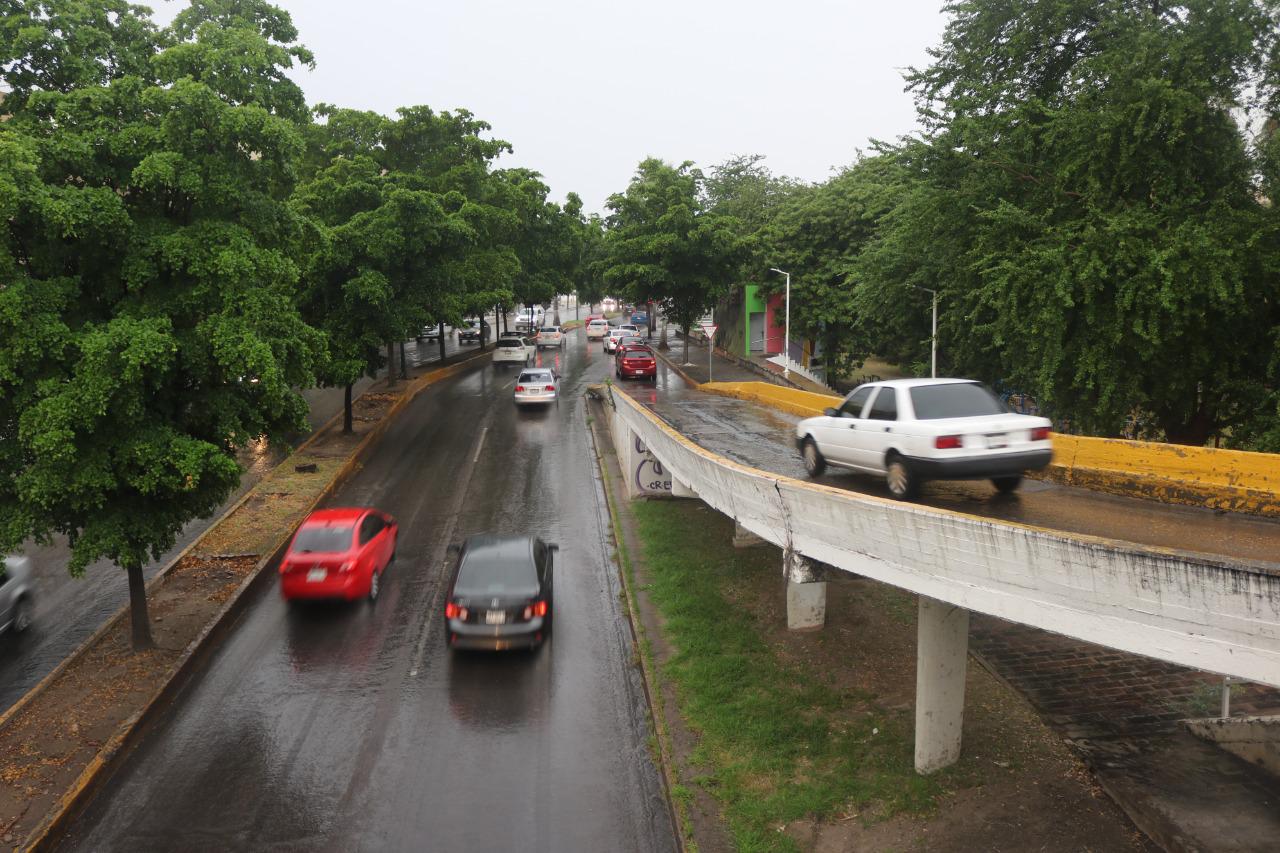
x=1231 y=480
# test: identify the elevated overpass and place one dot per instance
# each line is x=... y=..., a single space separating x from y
x=1217 y=613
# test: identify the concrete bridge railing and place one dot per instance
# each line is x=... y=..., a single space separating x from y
x=1216 y=615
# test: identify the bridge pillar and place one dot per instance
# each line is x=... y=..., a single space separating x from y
x=806 y=592
x=744 y=538
x=942 y=652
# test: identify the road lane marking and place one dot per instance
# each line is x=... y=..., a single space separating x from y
x=479 y=446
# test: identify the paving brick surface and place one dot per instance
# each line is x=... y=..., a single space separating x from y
x=1123 y=714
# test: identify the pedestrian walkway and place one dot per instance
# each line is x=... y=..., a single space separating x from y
x=698 y=370
x=1122 y=713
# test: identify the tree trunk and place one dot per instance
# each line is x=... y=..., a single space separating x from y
x=649 y=313
x=346 y=409
x=686 y=343
x=404 y=368
x=139 y=619
x=391 y=363
x=442 y=343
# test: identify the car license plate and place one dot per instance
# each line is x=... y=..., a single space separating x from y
x=997 y=441
x=316 y=575
x=495 y=617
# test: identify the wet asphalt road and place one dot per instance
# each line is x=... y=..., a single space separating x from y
x=68 y=610
x=763 y=438
x=351 y=727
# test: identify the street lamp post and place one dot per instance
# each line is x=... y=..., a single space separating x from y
x=786 y=337
x=933 y=338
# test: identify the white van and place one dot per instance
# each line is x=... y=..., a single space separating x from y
x=597 y=329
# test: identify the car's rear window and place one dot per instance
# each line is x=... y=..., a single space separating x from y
x=955 y=400
x=599 y=322
x=326 y=539
x=481 y=575
x=549 y=329
x=510 y=342
x=535 y=377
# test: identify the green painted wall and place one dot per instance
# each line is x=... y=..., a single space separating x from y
x=752 y=302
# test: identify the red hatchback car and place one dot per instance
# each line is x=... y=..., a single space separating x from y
x=339 y=553
x=635 y=361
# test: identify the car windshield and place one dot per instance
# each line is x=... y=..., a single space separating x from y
x=322 y=539
x=483 y=574
x=510 y=342
x=955 y=400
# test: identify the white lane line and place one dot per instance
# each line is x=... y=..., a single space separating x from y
x=438 y=559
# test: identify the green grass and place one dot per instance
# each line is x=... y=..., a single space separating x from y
x=783 y=743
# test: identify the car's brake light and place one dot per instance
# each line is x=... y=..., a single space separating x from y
x=535 y=608
x=452 y=610
x=549 y=388
x=1040 y=434
x=947 y=442
x=519 y=387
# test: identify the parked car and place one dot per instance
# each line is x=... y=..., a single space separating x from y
x=597 y=328
x=549 y=336
x=500 y=595
x=635 y=360
x=537 y=385
x=16 y=609
x=913 y=430
x=640 y=318
x=511 y=349
x=473 y=331
x=617 y=333
x=339 y=553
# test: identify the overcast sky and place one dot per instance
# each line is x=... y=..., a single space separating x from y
x=585 y=89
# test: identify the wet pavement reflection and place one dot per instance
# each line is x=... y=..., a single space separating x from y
x=350 y=726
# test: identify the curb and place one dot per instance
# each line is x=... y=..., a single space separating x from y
x=104 y=762
x=693 y=383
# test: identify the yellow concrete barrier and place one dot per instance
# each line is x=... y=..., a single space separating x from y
x=1232 y=480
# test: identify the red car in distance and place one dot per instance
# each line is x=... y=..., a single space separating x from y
x=339 y=553
x=635 y=361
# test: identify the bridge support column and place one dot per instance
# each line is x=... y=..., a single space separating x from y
x=942 y=653
x=806 y=593
x=744 y=538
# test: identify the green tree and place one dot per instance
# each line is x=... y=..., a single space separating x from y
x=148 y=326
x=663 y=243
x=1087 y=204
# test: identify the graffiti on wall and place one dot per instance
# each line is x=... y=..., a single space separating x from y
x=650 y=475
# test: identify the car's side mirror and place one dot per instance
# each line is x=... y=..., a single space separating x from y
x=831 y=413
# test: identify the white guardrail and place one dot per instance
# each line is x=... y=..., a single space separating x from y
x=1216 y=615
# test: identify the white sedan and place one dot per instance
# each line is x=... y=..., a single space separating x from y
x=511 y=349
x=549 y=336
x=597 y=328
x=912 y=430
x=617 y=333
x=536 y=385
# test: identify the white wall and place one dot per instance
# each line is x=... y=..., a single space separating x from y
x=1216 y=615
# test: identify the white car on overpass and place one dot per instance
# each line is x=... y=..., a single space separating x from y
x=511 y=349
x=912 y=430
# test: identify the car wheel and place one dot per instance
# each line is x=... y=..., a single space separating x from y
x=814 y=464
x=374 y=583
x=1007 y=485
x=22 y=615
x=902 y=483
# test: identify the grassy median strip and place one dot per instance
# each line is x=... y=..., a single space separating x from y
x=784 y=742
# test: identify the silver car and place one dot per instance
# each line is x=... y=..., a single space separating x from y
x=536 y=386
x=15 y=594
